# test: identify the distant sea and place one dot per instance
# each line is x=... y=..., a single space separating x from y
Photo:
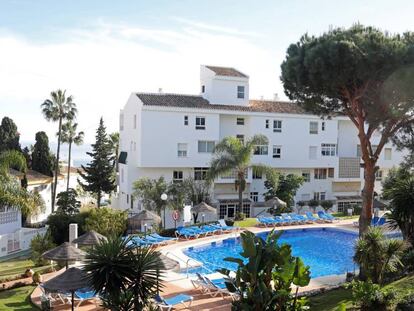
x=79 y=156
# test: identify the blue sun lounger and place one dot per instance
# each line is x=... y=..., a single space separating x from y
x=169 y=303
x=187 y=233
x=310 y=216
x=161 y=238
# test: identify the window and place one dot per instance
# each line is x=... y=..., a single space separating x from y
x=127 y=198
x=177 y=176
x=203 y=88
x=205 y=146
x=320 y=173
x=331 y=172
x=254 y=196
x=306 y=176
x=313 y=127
x=200 y=173
x=328 y=150
x=277 y=126
x=200 y=123
x=135 y=121
x=344 y=206
x=313 y=152
x=277 y=152
x=240 y=91
x=121 y=121
x=261 y=150
x=267 y=124
x=320 y=196
x=257 y=174
x=240 y=121
x=378 y=175
x=240 y=137
x=323 y=126
x=387 y=153
x=181 y=150
x=185 y=120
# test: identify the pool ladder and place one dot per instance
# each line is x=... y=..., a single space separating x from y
x=187 y=263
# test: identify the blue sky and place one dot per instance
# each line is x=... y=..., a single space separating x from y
x=101 y=51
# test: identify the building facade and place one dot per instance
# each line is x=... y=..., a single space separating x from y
x=173 y=135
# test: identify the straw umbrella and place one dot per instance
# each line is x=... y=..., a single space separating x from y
x=64 y=252
x=202 y=207
x=275 y=203
x=69 y=281
x=90 y=238
x=145 y=215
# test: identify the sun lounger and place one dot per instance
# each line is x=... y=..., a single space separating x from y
x=380 y=222
x=186 y=233
x=162 y=238
x=169 y=303
x=140 y=242
x=312 y=218
x=324 y=217
x=85 y=295
x=223 y=225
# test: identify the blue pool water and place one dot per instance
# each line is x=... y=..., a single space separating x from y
x=326 y=251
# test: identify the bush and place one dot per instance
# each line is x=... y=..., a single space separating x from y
x=59 y=225
x=239 y=216
x=408 y=260
x=37 y=278
x=313 y=204
x=326 y=205
x=168 y=232
x=370 y=296
x=39 y=245
x=407 y=304
x=106 y=221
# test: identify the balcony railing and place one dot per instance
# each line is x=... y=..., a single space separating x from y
x=349 y=168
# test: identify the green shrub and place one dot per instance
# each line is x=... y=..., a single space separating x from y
x=106 y=221
x=369 y=296
x=239 y=216
x=39 y=245
x=407 y=304
x=59 y=225
x=313 y=204
x=408 y=260
x=37 y=278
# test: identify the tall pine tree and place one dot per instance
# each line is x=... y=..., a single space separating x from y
x=41 y=159
x=97 y=176
x=9 y=136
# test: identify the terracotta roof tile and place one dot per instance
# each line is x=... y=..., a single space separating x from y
x=195 y=101
x=227 y=71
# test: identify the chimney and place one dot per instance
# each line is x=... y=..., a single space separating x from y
x=275 y=96
x=160 y=90
x=73 y=232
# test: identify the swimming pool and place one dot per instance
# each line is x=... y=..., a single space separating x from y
x=327 y=251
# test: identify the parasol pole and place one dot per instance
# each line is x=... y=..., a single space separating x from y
x=73 y=299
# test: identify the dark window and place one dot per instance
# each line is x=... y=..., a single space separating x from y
x=240 y=137
x=200 y=123
x=267 y=124
x=177 y=176
x=240 y=121
x=257 y=175
x=203 y=88
x=185 y=120
x=200 y=173
x=123 y=157
x=240 y=91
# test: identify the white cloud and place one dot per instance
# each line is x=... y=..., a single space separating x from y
x=102 y=65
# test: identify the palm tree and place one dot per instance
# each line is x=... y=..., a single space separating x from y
x=58 y=109
x=11 y=192
x=114 y=141
x=232 y=155
x=71 y=136
x=117 y=269
x=376 y=254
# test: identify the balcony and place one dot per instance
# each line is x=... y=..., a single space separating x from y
x=349 y=168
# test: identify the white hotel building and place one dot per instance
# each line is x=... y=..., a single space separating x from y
x=173 y=135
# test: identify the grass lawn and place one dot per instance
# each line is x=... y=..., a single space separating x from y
x=248 y=222
x=17 y=299
x=330 y=301
x=18 y=266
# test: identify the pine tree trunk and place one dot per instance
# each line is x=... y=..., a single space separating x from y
x=69 y=159
x=56 y=166
x=367 y=197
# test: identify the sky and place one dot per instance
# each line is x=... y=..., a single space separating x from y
x=102 y=51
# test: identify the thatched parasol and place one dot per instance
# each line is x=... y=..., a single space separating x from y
x=146 y=215
x=202 y=207
x=64 y=252
x=90 y=238
x=275 y=202
x=69 y=281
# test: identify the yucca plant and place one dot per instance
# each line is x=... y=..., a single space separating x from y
x=118 y=270
x=377 y=255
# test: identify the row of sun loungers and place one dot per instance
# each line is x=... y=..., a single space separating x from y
x=80 y=296
x=153 y=239
x=287 y=219
x=212 y=287
x=196 y=232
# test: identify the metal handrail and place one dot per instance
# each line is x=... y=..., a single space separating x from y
x=187 y=265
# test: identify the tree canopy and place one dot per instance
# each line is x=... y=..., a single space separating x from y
x=97 y=176
x=363 y=73
x=41 y=159
x=283 y=186
x=9 y=136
